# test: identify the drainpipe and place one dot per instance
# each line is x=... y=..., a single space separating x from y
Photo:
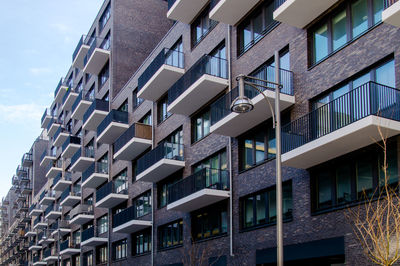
x=152 y=187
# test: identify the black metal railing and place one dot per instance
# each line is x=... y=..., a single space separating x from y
x=71 y=140
x=97 y=104
x=369 y=99
x=167 y=57
x=171 y=3
x=83 y=95
x=165 y=150
x=59 y=131
x=27 y=157
x=76 y=156
x=278 y=3
x=60 y=83
x=65 y=194
x=205 y=178
x=87 y=234
x=207 y=64
x=127 y=136
x=53 y=121
x=56 y=179
x=21 y=170
x=97 y=42
x=213 y=3
x=46 y=113
x=36 y=258
x=52 y=207
x=48 y=252
x=222 y=106
x=388 y=3
x=113 y=116
x=79 y=45
x=109 y=188
x=124 y=216
x=68 y=244
x=75 y=88
x=99 y=167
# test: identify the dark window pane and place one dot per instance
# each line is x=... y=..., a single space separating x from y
x=343 y=184
x=324 y=188
x=359 y=14
x=339 y=30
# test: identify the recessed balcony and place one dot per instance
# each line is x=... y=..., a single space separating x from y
x=341 y=126
x=71 y=146
x=39 y=223
x=30 y=233
x=46 y=118
x=47 y=197
x=133 y=142
x=46 y=159
x=45 y=238
x=80 y=162
x=70 y=197
x=185 y=10
x=27 y=160
x=50 y=254
x=95 y=114
x=391 y=12
x=81 y=214
x=201 y=189
x=80 y=51
x=113 y=125
x=33 y=246
x=69 y=248
x=95 y=175
x=157 y=164
x=61 y=227
x=202 y=82
x=60 y=137
x=126 y=222
x=53 y=212
x=69 y=98
x=230 y=11
x=53 y=126
x=60 y=183
x=90 y=238
x=35 y=210
x=54 y=169
x=60 y=91
x=300 y=13
x=26 y=189
x=110 y=195
x=97 y=56
x=82 y=103
x=227 y=123
x=161 y=74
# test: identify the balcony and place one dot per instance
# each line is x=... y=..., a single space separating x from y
x=47 y=197
x=26 y=189
x=97 y=56
x=60 y=91
x=133 y=142
x=60 y=183
x=53 y=212
x=225 y=122
x=113 y=125
x=30 y=233
x=46 y=118
x=95 y=175
x=54 y=169
x=203 y=81
x=82 y=103
x=46 y=159
x=60 y=137
x=35 y=210
x=61 y=227
x=89 y=238
x=21 y=171
x=71 y=146
x=126 y=222
x=45 y=238
x=70 y=197
x=110 y=195
x=33 y=246
x=53 y=126
x=50 y=254
x=185 y=10
x=231 y=11
x=81 y=214
x=27 y=160
x=157 y=164
x=80 y=162
x=70 y=98
x=300 y=13
x=69 y=248
x=39 y=223
x=161 y=74
x=96 y=113
x=341 y=126
x=201 y=189
x=80 y=51
x=391 y=12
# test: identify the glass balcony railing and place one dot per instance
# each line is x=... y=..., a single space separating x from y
x=79 y=45
x=87 y=234
x=125 y=216
x=165 y=150
x=98 y=167
x=97 y=104
x=207 y=64
x=205 y=178
x=113 y=116
x=111 y=187
x=369 y=99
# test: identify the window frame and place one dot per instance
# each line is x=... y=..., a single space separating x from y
x=200 y=20
x=120 y=249
x=164 y=229
x=134 y=239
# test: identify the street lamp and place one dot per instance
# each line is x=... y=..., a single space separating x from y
x=242 y=104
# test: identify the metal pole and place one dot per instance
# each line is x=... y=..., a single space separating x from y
x=279 y=223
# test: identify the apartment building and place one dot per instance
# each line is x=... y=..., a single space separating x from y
x=148 y=165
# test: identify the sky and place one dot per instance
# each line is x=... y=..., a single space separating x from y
x=37 y=40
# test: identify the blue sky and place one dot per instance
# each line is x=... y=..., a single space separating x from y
x=37 y=42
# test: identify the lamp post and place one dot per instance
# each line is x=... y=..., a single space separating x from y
x=242 y=104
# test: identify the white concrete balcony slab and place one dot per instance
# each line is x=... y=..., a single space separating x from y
x=30 y=234
x=46 y=160
x=62 y=184
x=40 y=225
x=198 y=200
x=160 y=170
x=35 y=248
x=71 y=146
x=35 y=212
x=96 y=61
x=69 y=100
x=53 y=215
x=80 y=52
x=95 y=114
x=60 y=138
x=52 y=128
x=47 y=200
x=82 y=219
x=231 y=11
x=53 y=172
x=70 y=200
x=111 y=200
x=81 y=107
x=185 y=10
x=391 y=15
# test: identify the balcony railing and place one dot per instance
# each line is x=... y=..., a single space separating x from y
x=68 y=244
x=124 y=216
x=32 y=207
x=388 y=3
x=53 y=121
x=207 y=64
x=369 y=99
x=68 y=192
x=97 y=104
x=165 y=150
x=82 y=96
x=87 y=234
x=27 y=157
x=100 y=167
x=171 y=3
x=222 y=107
x=79 y=45
x=60 y=83
x=81 y=209
x=165 y=57
x=46 y=113
x=59 y=131
x=76 y=88
x=109 y=188
x=48 y=252
x=97 y=43
x=113 y=116
x=71 y=140
x=52 y=207
x=136 y=130
x=205 y=178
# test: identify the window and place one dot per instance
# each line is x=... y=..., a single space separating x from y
x=124 y=106
x=89 y=149
x=174 y=56
x=345 y=24
x=260 y=208
x=162 y=106
x=106 y=43
x=120 y=249
x=216 y=161
x=209 y=222
x=257 y=25
x=88 y=258
x=90 y=93
x=76 y=237
x=136 y=100
x=218 y=63
x=103 y=75
x=101 y=254
x=216 y=174
x=79 y=87
x=170 y=235
x=344 y=180
x=102 y=224
x=142 y=204
x=162 y=189
x=76 y=260
x=141 y=242
x=121 y=181
x=104 y=17
x=201 y=125
x=146 y=119
x=106 y=97
x=201 y=26
x=102 y=164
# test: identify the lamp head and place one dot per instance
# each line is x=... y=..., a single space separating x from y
x=241 y=105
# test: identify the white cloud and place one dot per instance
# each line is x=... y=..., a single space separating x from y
x=40 y=70
x=21 y=113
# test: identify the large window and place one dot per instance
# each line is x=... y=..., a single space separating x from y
x=141 y=242
x=121 y=181
x=202 y=26
x=105 y=17
x=201 y=124
x=162 y=107
x=146 y=119
x=142 y=204
x=76 y=237
x=349 y=21
x=345 y=180
x=257 y=25
x=88 y=258
x=101 y=254
x=102 y=224
x=136 y=101
x=210 y=222
x=120 y=249
x=102 y=164
x=170 y=235
x=260 y=208
x=103 y=75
